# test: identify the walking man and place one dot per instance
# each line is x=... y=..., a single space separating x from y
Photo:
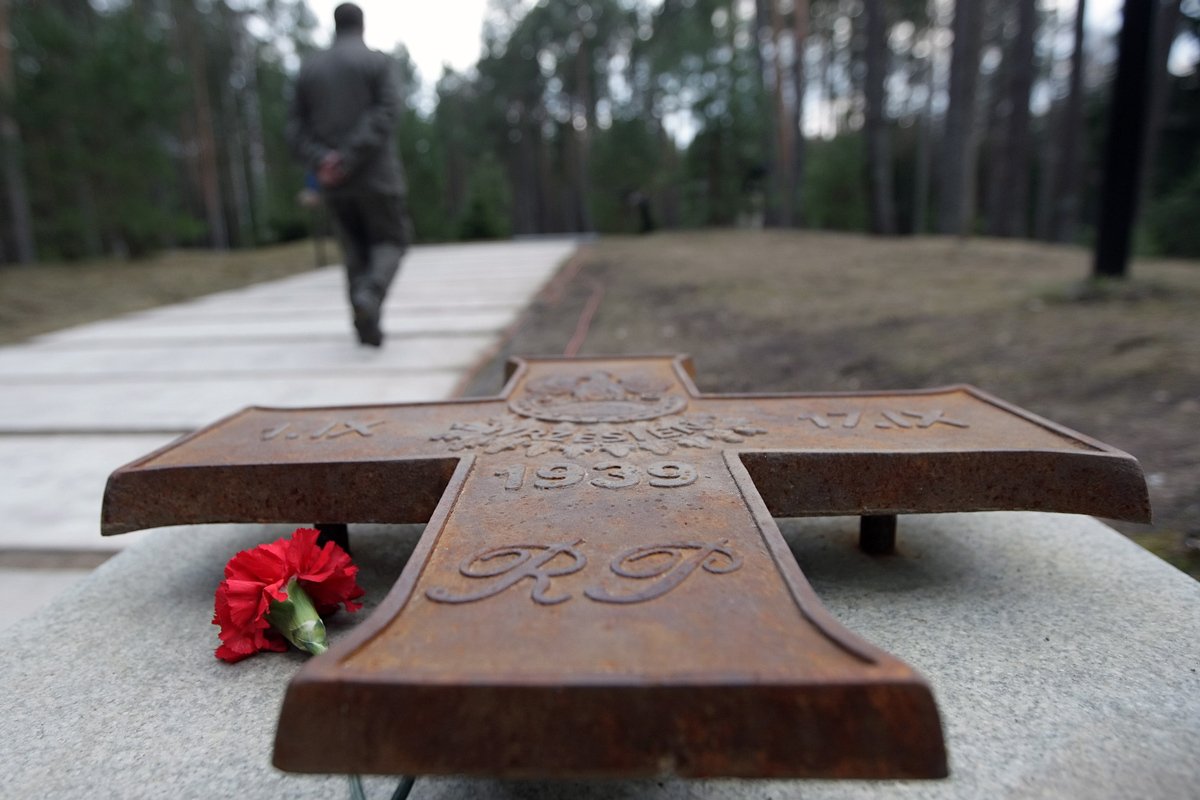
x=341 y=124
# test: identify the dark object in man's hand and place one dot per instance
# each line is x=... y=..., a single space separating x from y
x=330 y=172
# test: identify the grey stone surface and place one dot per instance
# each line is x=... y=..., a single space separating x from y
x=1064 y=660
x=29 y=590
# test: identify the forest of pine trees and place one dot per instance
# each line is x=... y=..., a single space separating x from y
x=130 y=126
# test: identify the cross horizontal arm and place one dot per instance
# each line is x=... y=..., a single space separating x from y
x=350 y=464
x=929 y=451
x=867 y=483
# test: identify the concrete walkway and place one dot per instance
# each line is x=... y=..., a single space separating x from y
x=78 y=403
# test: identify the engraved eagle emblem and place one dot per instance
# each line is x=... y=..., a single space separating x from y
x=598 y=396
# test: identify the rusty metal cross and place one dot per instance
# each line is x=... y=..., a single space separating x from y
x=601 y=589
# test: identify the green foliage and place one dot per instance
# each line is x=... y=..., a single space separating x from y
x=563 y=125
x=488 y=204
x=1173 y=222
x=424 y=161
x=627 y=161
x=97 y=107
x=286 y=220
x=836 y=193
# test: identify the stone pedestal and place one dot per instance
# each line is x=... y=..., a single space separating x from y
x=1064 y=660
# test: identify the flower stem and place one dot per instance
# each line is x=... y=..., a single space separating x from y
x=297 y=619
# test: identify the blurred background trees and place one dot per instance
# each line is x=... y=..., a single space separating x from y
x=133 y=125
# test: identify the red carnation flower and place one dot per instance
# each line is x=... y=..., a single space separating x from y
x=278 y=592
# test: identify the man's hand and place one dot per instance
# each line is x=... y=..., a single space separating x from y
x=331 y=172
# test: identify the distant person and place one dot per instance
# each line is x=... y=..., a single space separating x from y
x=341 y=124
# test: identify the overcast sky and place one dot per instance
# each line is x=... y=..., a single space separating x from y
x=435 y=32
x=438 y=32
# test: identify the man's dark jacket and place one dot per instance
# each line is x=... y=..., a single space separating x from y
x=347 y=100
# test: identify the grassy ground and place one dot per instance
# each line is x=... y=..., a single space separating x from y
x=52 y=296
x=811 y=312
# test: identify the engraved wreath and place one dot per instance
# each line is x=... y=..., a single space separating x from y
x=598 y=396
x=660 y=437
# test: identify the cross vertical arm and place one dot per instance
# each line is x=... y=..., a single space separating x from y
x=521 y=642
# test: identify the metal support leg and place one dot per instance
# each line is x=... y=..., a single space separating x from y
x=338 y=533
x=403 y=788
x=877 y=534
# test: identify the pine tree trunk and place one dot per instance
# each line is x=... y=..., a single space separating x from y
x=800 y=24
x=239 y=181
x=207 y=162
x=670 y=193
x=1010 y=185
x=1166 y=26
x=924 y=156
x=1068 y=182
x=583 y=140
x=784 y=134
x=879 y=151
x=1047 y=168
x=256 y=146
x=770 y=142
x=956 y=202
x=1125 y=141
x=25 y=249
x=230 y=130
x=525 y=180
x=545 y=186
x=93 y=241
x=827 y=79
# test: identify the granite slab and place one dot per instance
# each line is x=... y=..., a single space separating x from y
x=1063 y=658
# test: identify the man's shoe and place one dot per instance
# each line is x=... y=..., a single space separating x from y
x=367 y=325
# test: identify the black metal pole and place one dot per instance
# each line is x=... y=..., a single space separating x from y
x=877 y=534
x=1126 y=138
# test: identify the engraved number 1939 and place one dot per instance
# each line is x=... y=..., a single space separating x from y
x=606 y=475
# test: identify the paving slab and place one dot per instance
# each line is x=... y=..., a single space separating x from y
x=78 y=403
x=305 y=305
x=329 y=281
x=1063 y=658
x=465 y=297
x=292 y=328
x=168 y=404
x=54 y=485
x=331 y=356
